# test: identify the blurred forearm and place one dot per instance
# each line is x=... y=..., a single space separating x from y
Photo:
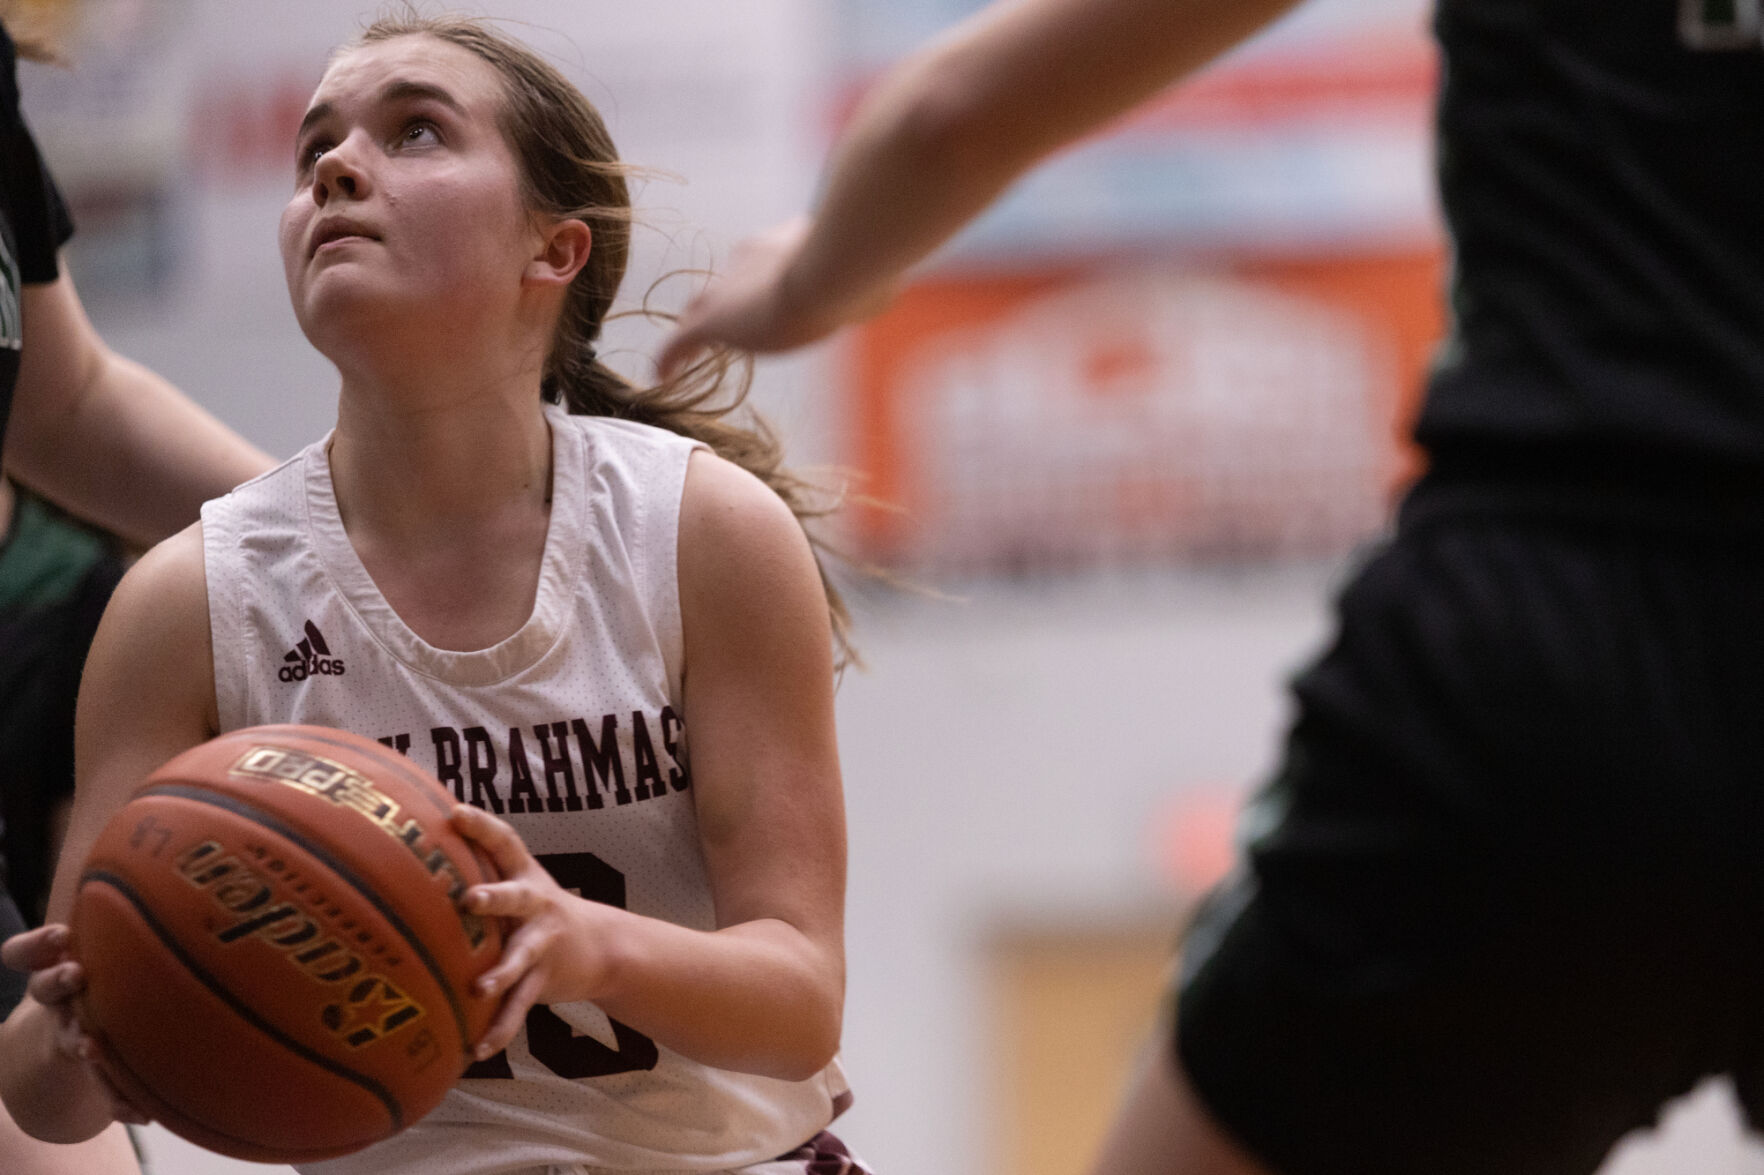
x=129 y=452
x=952 y=126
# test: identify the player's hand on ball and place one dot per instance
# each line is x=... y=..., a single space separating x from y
x=56 y=982
x=42 y=953
x=550 y=955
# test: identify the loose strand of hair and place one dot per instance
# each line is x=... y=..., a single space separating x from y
x=707 y=402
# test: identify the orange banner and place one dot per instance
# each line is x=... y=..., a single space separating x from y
x=1244 y=410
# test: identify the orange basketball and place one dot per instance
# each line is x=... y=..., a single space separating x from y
x=277 y=961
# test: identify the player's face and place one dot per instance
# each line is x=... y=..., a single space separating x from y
x=407 y=204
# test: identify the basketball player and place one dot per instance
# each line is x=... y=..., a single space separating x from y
x=541 y=583
x=1501 y=901
x=97 y=434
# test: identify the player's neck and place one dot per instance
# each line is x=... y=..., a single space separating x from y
x=408 y=468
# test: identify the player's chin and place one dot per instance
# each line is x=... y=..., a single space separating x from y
x=341 y=312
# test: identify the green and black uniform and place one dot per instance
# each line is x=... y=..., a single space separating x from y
x=56 y=576
x=1502 y=900
x=33 y=225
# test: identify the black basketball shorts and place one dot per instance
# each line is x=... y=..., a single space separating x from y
x=1505 y=896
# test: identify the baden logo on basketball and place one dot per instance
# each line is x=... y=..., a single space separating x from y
x=371 y=1009
x=310 y=658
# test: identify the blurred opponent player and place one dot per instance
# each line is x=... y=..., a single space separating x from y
x=99 y=435
x=56 y=575
x=1501 y=901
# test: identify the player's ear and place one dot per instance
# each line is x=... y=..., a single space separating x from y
x=561 y=252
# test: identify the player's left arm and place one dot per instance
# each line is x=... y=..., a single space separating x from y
x=764 y=992
x=147 y=693
x=105 y=437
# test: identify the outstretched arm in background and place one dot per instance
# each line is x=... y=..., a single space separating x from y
x=938 y=139
x=107 y=439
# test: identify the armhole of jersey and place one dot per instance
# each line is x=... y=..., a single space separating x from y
x=663 y=559
x=232 y=653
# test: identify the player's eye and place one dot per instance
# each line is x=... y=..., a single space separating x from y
x=421 y=132
x=308 y=156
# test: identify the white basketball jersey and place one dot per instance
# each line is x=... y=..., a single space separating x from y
x=572 y=730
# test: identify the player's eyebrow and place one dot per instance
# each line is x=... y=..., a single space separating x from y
x=396 y=90
x=401 y=90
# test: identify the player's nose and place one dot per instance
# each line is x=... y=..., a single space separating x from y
x=340 y=171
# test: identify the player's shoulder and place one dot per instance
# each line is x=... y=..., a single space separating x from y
x=154 y=633
x=267 y=509
x=727 y=504
x=172 y=560
x=167 y=586
x=744 y=558
x=291 y=470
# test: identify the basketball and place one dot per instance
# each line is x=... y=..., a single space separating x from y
x=277 y=962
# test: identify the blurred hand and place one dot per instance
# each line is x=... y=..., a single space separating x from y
x=752 y=306
x=56 y=983
x=550 y=957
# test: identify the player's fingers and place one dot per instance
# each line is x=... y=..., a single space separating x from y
x=56 y=985
x=523 y=950
x=679 y=349
x=504 y=899
x=71 y=1040
x=497 y=837
x=35 y=949
x=510 y=1016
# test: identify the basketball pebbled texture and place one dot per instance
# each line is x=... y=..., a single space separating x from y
x=277 y=964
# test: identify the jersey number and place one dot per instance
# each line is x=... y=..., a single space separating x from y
x=550 y=1038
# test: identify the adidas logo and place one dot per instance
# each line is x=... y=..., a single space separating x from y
x=311 y=656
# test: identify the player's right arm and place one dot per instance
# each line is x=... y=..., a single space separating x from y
x=147 y=694
x=939 y=138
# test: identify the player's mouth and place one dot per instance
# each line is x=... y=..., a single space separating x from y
x=337 y=230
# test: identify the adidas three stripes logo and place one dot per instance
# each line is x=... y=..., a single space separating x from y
x=310 y=657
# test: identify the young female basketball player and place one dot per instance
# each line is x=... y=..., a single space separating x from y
x=539 y=582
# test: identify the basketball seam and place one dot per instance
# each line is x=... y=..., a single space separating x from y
x=244 y=1011
x=345 y=874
